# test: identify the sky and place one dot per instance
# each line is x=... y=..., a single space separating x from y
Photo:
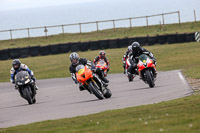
x=23 y=4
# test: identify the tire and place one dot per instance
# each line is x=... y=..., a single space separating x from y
x=130 y=77
x=108 y=93
x=27 y=95
x=95 y=91
x=150 y=79
x=34 y=101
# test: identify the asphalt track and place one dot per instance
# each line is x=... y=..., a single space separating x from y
x=61 y=98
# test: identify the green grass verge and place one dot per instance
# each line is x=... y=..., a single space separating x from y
x=169 y=57
x=101 y=35
x=177 y=116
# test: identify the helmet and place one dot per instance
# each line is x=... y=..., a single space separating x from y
x=16 y=64
x=130 y=48
x=102 y=54
x=135 y=46
x=74 y=58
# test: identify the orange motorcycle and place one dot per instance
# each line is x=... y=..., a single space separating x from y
x=103 y=66
x=90 y=81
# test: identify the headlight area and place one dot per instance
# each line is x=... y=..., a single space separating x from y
x=19 y=83
x=27 y=81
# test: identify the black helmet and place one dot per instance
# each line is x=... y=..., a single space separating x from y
x=102 y=54
x=135 y=46
x=16 y=64
x=74 y=58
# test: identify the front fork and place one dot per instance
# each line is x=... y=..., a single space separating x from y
x=98 y=81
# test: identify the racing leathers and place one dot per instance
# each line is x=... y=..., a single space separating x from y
x=23 y=67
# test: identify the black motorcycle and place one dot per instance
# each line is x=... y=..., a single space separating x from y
x=26 y=86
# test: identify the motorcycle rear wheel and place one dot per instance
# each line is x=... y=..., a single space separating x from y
x=107 y=93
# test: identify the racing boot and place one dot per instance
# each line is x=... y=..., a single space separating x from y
x=81 y=88
x=105 y=84
x=105 y=79
x=36 y=87
x=16 y=87
x=34 y=80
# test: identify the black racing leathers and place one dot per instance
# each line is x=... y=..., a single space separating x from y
x=133 y=60
x=72 y=68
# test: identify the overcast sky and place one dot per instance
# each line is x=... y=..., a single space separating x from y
x=21 y=4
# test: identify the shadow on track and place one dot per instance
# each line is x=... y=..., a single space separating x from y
x=145 y=88
x=15 y=106
x=82 y=102
x=25 y=105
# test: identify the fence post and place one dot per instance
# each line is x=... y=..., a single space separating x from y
x=80 y=27
x=130 y=23
x=179 y=17
x=97 y=25
x=147 y=21
x=11 y=34
x=163 y=19
x=45 y=30
x=114 y=24
x=195 y=19
x=160 y=25
x=28 y=32
x=63 y=30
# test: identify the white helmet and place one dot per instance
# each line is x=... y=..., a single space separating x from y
x=74 y=58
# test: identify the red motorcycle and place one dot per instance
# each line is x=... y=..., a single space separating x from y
x=103 y=66
x=147 y=70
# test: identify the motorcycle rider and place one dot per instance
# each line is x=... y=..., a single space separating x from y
x=75 y=61
x=125 y=57
x=102 y=56
x=137 y=50
x=17 y=66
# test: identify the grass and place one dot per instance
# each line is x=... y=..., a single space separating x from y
x=169 y=57
x=177 y=116
x=101 y=35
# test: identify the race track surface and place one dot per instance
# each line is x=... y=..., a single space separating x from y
x=61 y=98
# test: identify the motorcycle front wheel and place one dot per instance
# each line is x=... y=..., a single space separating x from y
x=94 y=89
x=27 y=95
x=150 y=78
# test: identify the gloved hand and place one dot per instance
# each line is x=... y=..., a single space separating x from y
x=151 y=55
x=76 y=81
x=93 y=68
x=131 y=61
x=16 y=87
x=33 y=78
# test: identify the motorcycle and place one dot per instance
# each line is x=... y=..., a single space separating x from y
x=89 y=81
x=102 y=65
x=147 y=70
x=26 y=86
